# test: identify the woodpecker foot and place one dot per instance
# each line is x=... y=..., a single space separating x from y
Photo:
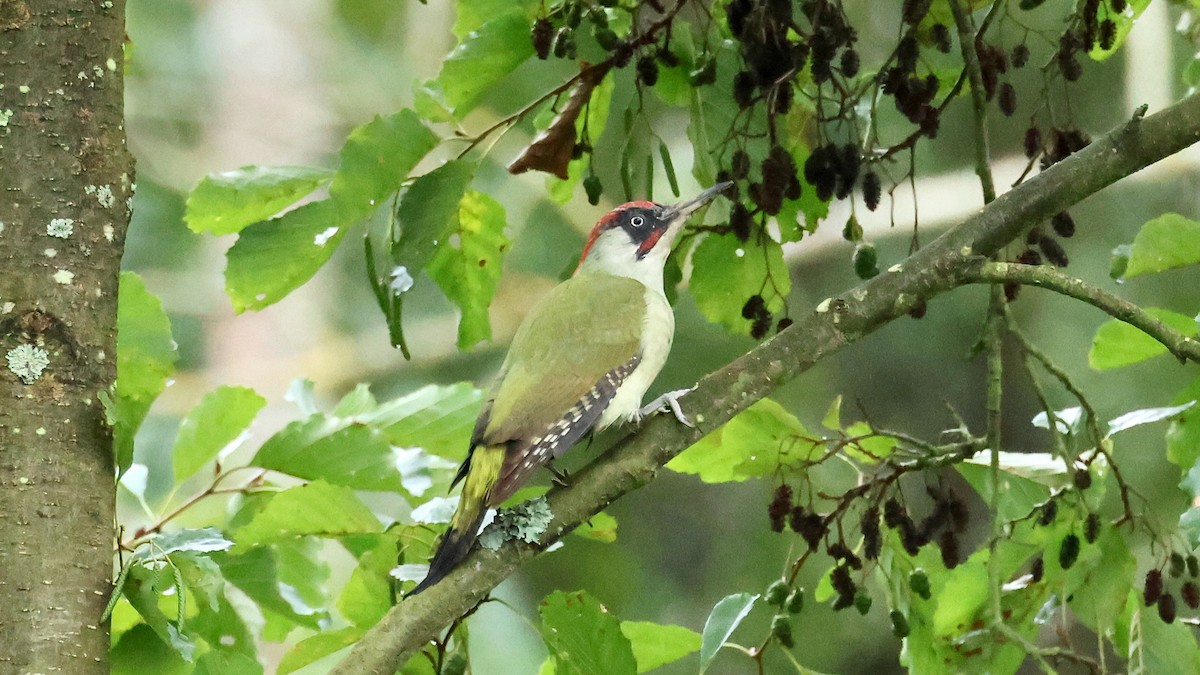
x=669 y=401
x=561 y=478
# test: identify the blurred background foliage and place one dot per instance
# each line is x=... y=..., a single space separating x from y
x=217 y=84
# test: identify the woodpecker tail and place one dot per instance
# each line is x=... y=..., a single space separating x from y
x=482 y=469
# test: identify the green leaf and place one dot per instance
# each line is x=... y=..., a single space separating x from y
x=318 y=646
x=272 y=258
x=146 y=355
x=727 y=272
x=1019 y=494
x=437 y=418
x=376 y=158
x=468 y=265
x=1124 y=22
x=1164 y=243
x=340 y=450
x=255 y=573
x=756 y=442
x=1136 y=418
x=583 y=638
x=218 y=420
x=1183 y=436
x=316 y=508
x=140 y=651
x=367 y=595
x=600 y=527
x=469 y=15
x=1154 y=646
x=221 y=662
x=483 y=58
x=143 y=589
x=657 y=644
x=721 y=622
x=1120 y=344
x=203 y=540
x=427 y=212
x=224 y=203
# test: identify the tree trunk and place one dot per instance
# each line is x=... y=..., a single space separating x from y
x=65 y=183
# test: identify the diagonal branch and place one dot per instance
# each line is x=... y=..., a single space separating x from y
x=836 y=322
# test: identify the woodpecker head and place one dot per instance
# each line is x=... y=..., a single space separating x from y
x=639 y=234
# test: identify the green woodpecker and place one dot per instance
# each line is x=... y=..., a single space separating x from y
x=581 y=360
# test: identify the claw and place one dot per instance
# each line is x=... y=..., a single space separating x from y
x=669 y=401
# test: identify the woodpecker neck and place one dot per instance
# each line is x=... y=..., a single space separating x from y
x=613 y=253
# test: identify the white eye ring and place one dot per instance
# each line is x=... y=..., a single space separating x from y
x=637 y=221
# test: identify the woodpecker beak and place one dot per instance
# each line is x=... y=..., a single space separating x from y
x=679 y=213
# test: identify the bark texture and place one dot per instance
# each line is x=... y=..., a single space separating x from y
x=65 y=183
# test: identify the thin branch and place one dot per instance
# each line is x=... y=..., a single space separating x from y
x=1183 y=347
x=837 y=322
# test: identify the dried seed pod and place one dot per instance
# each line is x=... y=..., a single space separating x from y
x=647 y=70
x=893 y=513
x=1049 y=513
x=1177 y=565
x=542 y=36
x=1153 y=587
x=1166 y=608
x=742 y=223
x=1082 y=479
x=564 y=43
x=783 y=324
x=1032 y=142
x=1190 y=594
x=1011 y=290
x=1069 y=66
x=754 y=308
x=1063 y=224
x=1193 y=566
x=907 y=52
x=1020 y=55
x=840 y=579
x=948 y=544
x=739 y=164
x=1007 y=99
x=872 y=190
x=809 y=525
x=849 y=63
x=919 y=309
x=872 y=537
x=1030 y=257
x=1053 y=251
x=1118 y=6
x=744 y=85
x=1108 y=33
x=758 y=330
x=1037 y=569
x=1091 y=528
x=1068 y=553
x=940 y=35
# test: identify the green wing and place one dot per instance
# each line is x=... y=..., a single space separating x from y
x=563 y=348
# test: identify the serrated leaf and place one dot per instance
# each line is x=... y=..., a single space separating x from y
x=722 y=621
x=255 y=572
x=376 y=158
x=594 y=119
x=727 y=272
x=436 y=418
x=583 y=638
x=340 y=450
x=1119 y=344
x=146 y=355
x=756 y=442
x=483 y=58
x=1135 y=418
x=367 y=595
x=317 y=508
x=219 y=419
x=427 y=211
x=272 y=258
x=1164 y=243
x=318 y=646
x=657 y=644
x=600 y=527
x=468 y=265
x=226 y=202
x=203 y=540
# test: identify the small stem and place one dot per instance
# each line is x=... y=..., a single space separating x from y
x=968 y=42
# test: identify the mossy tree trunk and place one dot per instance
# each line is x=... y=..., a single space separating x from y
x=65 y=183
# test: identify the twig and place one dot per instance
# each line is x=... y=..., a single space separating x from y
x=1183 y=347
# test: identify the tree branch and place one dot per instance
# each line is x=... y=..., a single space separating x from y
x=836 y=322
x=985 y=272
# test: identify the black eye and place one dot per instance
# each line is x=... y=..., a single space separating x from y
x=637 y=221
